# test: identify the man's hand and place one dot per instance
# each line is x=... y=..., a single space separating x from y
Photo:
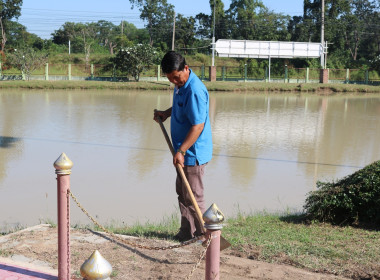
x=179 y=159
x=163 y=115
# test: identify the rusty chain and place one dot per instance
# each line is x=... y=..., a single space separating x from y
x=200 y=258
x=122 y=240
x=115 y=237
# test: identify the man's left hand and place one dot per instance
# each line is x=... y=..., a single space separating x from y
x=179 y=159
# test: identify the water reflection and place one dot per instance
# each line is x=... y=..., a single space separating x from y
x=8 y=142
x=269 y=150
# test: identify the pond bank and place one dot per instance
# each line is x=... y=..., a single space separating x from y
x=325 y=89
x=279 y=247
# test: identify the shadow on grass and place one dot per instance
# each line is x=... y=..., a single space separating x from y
x=149 y=234
x=295 y=219
x=159 y=83
x=305 y=220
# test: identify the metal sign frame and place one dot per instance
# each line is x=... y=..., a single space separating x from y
x=268 y=49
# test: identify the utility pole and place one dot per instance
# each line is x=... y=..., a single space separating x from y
x=173 y=32
x=122 y=33
x=323 y=34
x=213 y=41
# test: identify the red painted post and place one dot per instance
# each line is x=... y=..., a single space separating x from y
x=213 y=219
x=63 y=170
x=213 y=255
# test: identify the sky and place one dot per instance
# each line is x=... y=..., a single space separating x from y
x=43 y=17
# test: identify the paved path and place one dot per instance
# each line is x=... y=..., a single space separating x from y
x=15 y=272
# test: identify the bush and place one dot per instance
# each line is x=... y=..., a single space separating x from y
x=355 y=199
x=202 y=58
x=134 y=60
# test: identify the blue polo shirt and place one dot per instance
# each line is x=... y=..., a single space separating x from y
x=191 y=107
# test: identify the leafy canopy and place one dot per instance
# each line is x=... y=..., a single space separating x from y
x=134 y=60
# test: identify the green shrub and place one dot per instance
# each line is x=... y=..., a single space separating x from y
x=355 y=199
x=202 y=58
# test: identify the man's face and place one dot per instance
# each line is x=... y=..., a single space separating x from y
x=179 y=78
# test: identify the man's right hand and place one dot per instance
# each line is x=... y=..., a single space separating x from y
x=163 y=115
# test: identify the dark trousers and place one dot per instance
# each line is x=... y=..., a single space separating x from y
x=190 y=225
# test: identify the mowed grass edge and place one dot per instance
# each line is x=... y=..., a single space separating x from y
x=229 y=86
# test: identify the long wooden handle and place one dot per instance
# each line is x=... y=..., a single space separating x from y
x=183 y=176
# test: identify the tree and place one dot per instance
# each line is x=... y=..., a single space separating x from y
x=64 y=34
x=206 y=22
x=350 y=26
x=134 y=60
x=128 y=34
x=27 y=60
x=18 y=36
x=82 y=36
x=107 y=33
x=8 y=9
x=185 y=32
x=88 y=36
x=159 y=16
x=243 y=19
x=359 y=25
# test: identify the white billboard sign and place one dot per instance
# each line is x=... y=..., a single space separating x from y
x=267 y=49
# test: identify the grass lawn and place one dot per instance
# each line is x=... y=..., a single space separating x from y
x=345 y=251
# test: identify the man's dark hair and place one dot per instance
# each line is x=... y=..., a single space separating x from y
x=172 y=61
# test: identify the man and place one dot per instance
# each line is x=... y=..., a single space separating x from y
x=191 y=136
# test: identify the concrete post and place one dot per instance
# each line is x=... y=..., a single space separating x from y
x=286 y=74
x=223 y=73
x=213 y=219
x=202 y=73
x=158 y=72
x=212 y=73
x=92 y=71
x=47 y=71
x=266 y=74
x=69 y=72
x=307 y=75
x=324 y=76
x=245 y=72
x=1 y=70
x=347 y=76
x=366 y=78
x=63 y=170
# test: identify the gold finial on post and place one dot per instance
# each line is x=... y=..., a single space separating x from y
x=96 y=267
x=63 y=165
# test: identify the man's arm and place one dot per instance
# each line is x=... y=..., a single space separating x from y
x=189 y=141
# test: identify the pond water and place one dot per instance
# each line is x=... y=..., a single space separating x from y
x=269 y=151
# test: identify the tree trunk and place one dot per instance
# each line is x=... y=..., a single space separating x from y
x=87 y=49
x=3 y=36
x=111 y=47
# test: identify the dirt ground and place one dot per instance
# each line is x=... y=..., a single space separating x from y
x=37 y=246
